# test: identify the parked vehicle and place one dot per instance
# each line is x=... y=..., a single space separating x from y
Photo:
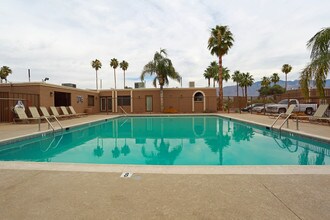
x=260 y=108
x=282 y=106
x=249 y=107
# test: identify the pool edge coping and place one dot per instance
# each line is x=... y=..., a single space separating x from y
x=157 y=169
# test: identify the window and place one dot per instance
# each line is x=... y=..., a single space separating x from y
x=90 y=100
x=198 y=97
x=124 y=101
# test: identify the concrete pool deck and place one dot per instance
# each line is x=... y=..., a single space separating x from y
x=69 y=191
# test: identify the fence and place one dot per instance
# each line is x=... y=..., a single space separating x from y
x=8 y=102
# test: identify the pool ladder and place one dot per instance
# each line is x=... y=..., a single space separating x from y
x=285 y=120
x=49 y=123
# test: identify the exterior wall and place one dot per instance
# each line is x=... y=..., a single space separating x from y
x=176 y=100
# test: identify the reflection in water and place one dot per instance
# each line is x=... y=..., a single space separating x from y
x=115 y=152
x=125 y=149
x=219 y=141
x=242 y=132
x=305 y=160
x=163 y=154
x=98 y=151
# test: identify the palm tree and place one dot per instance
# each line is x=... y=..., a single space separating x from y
x=214 y=69
x=247 y=80
x=4 y=72
x=96 y=64
x=225 y=75
x=219 y=43
x=124 y=65
x=275 y=78
x=208 y=75
x=114 y=65
x=319 y=67
x=163 y=68
x=265 y=82
x=236 y=77
x=286 y=68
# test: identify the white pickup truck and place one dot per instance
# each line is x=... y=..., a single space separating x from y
x=283 y=105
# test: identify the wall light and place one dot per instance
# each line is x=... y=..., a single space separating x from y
x=51 y=93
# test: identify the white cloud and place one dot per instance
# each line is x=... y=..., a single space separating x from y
x=59 y=39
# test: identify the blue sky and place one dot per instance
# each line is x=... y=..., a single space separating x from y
x=59 y=39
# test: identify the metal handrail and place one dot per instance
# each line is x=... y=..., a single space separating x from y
x=278 y=117
x=285 y=120
x=49 y=123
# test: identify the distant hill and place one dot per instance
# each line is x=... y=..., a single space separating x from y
x=253 y=90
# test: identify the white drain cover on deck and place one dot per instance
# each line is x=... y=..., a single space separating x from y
x=126 y=175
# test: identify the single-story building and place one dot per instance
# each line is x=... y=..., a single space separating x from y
x=141 y=100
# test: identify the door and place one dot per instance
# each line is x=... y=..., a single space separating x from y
x=103 y=104
x=149 y=103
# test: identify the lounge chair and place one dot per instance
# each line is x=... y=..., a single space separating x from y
x=65 y=111
x=55 y=112
x=318 y=115
x=44 y=111
x=73 y=112
x=20 y=112
x=284 y=115
x=34 y=112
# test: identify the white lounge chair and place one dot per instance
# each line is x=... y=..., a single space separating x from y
x=318 y=115
x=73 y=112
x=20 y=112
x=55 y=112
x=34 y=112
x=44 y=111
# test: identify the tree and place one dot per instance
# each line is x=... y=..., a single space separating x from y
x=286 y=68
x=247 y=80
x=319 y=67
x=4 y=72
x=114 y=65
x=219 y=43
x=225 y=75
x=275 y=78
x=265 y=82
x=124 y=65
x=163 y=69
x=236 y=77
x=208 y=75
x=214 y=68
x=96 y=64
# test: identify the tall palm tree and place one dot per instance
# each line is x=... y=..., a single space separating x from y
x=96 y=64
x=286 y=68
x=265 y=82
x=114 y=65
x=319 y=67
x=4 y=72
x=163 y=68
x=225 y=75
x=124 y=65
x=219 y=43
x=275 y=78
x=236 y=77
x=247 y=80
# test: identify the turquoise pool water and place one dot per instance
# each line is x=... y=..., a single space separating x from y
x=199 y=140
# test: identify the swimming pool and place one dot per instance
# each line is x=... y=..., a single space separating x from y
x=171 y=140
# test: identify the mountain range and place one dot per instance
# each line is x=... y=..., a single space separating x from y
x=253 y=90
